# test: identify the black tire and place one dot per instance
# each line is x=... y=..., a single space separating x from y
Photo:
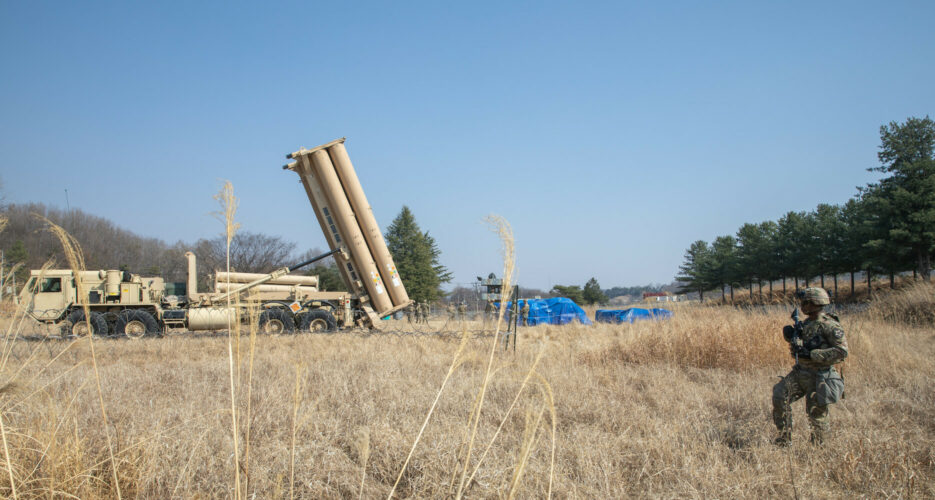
x=75 y=325
x=318 y=321
x=135 y=324
x=276 y=320
x=300 y=320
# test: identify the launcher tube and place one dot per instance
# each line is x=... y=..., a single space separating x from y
x=223 y=277
x=325 y=219
x=368 y=224
x=350 y=231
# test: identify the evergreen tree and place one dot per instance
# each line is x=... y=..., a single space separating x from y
x=592 y=293
x=18 y=255
x=754 y=250
x=830 y=233
x=885 y=254
x=329 y=278
x=853 y=255
x=416 y=256
x=694 y=273
x=768 y=267
x=723 y=268
x=572 y=292
x=907 y=153
x=797 y=246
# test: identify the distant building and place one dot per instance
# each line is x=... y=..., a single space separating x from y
x=660 y=297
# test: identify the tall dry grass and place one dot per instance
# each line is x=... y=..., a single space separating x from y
x=227 y=215
x=630 y=420
x=912 y=305
x=677 y=408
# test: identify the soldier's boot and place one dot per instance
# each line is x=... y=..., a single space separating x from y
x=784 y=438
x=818 y=421
x=818 y=437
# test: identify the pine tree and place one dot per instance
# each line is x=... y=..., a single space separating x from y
x=329 y=278
x=416 y=256
x=18 y=255
x=907 y=152
x=592 y=293
x=724 y=264
x=571 y=292
x=694 y=273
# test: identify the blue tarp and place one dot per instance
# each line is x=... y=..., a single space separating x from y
x=630 y=315
x=554 y=311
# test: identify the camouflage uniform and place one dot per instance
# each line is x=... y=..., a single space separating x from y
x=451 y=312
x=462 y=309
x=410 y=310
x=813 y=376
x=525 y=312
x=425 y=312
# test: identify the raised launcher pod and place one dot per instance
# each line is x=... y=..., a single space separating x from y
x=347 y=220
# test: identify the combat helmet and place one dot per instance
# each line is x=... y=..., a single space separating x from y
x=815 y=295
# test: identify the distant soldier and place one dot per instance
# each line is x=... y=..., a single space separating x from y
x=525 y=312
x=451 y=312
x=488 y=312
x=817 y=344
x=462 y=310
x=410 y=310
x=425 y=312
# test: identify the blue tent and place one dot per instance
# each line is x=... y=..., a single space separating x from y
x=630 y=315
x=554 y=311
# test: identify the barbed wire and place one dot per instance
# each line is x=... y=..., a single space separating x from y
x=451 y=328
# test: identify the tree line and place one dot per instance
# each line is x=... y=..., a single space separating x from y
x=591 y=293
x=887 y=228
x=26 y=244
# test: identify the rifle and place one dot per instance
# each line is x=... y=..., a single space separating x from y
x=793 y=335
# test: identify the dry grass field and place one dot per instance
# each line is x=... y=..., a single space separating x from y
x=679 y=408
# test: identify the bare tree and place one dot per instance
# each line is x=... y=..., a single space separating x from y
x=250 y=252
x=106 y=246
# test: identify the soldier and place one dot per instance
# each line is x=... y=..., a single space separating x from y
x=462 y=309
x=410 y=309
x=488 y=313
x=451 y=312
x=417 y=312
x=425 y=312
x=525 y=312
x=817 y=346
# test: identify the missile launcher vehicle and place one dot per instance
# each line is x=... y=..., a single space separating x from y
x=134 y=305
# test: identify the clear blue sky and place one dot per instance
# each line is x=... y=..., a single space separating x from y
x=611 y=135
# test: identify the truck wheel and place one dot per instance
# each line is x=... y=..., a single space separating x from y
x=135 y=324
x=276 y=320
x=318 y=321
x=76 y=325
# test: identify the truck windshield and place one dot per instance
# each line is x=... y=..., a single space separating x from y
x=51 y=285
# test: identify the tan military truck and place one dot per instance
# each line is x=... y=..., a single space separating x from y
x=134 y=305
x=128 y=304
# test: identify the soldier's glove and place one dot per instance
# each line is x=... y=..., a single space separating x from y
x=801 y=351
x=788 y=332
